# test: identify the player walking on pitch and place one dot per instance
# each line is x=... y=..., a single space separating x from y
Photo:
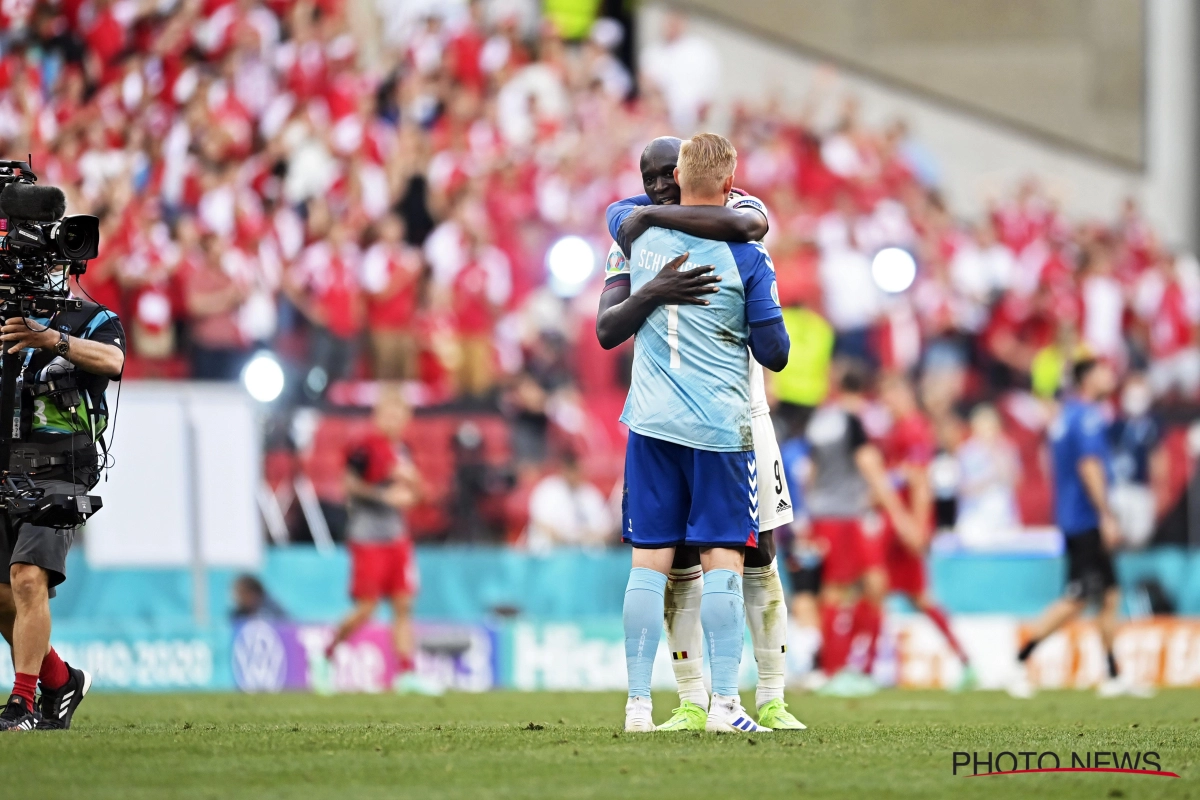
x=690 y=470
x=848 y=477
x=897 y=562
x=743 y=219
x=381 y=485
x=1082 y=474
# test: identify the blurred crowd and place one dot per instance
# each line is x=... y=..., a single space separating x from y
x=262 y=183
x=257 y=186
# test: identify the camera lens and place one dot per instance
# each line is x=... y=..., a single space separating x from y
x=78 y=237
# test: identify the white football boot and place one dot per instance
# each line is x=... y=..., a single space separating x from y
x=637 y=715
x=726 y=715
x=1018 y=684
x=1123 y=686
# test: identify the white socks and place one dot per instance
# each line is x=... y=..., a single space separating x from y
x=685 y=635
x=766 y=613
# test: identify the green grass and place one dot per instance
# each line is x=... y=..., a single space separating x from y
x=896 y=744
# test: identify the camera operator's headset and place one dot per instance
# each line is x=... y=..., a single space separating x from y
x=61 y=388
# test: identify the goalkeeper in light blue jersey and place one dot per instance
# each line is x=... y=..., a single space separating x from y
x=690 y=471
x=743 y=219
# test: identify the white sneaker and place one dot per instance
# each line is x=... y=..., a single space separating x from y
x=412 y=683
x=725 y=714
x=814 y=681
x=1123 y=686
x=637 y=715
x=321 y=676
x=1019 y=685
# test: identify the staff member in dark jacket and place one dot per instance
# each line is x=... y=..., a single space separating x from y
x=1082 y=478
x=67 y=362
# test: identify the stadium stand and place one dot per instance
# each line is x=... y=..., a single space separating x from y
x=244 y=165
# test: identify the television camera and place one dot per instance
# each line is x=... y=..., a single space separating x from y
x=40 y=248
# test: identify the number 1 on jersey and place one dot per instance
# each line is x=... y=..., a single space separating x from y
x=673 y=334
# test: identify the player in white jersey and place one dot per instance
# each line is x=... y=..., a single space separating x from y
x=775 y=499
x=743 y=219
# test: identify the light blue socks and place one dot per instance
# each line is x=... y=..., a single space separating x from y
x=723 y=616
x=643 y=618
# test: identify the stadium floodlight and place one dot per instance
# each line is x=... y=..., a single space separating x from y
x=893 y=270
x=571 y=261
x=263 y=377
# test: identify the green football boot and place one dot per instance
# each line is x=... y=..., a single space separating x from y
x=849 y=683
x=688 y=717
x=412 y=683
x=775 y=715
x=969 y=681
x=320 y=670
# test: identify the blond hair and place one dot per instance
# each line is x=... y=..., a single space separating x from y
x=705 y=161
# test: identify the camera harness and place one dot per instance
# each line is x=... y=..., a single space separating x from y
x=57 y=399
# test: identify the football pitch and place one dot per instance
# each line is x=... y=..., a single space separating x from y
x=894 y=744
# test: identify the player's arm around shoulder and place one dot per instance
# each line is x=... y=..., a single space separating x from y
x=769 y=341
x=622 y=313
x=733 y=223
x=617 y=213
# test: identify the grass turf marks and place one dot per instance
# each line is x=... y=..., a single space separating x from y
x=501 y=745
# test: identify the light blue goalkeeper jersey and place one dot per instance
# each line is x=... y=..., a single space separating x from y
x=690 y=362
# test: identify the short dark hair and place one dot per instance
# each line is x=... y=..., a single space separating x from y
x=855 y=377
x=248 y=583
x=1082 y=367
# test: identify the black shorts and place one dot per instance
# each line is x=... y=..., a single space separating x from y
x=688 y=556
x=805 y=579
x=1090 y=570
x=34 y=544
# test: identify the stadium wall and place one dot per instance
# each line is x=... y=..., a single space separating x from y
x=473 y=584
x=495 y=618
x=1070 y=72
x=275 y=656
x=186 y=466
x=981 y=158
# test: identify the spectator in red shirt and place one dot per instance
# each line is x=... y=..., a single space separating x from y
x=480 y=288
x=105 y=39
x=146 y=276
x=325 y=287
x=1167 y=299
x=391 y=275
x=212 y=296
x=464 y=48
x=1020 y=326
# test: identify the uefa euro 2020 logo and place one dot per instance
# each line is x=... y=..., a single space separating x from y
x=259 y=658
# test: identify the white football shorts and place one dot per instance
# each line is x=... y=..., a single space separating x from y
x=774 y=499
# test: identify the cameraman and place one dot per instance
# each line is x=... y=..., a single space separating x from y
x=67 y=362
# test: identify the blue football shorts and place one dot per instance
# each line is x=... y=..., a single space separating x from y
x=676 y=495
